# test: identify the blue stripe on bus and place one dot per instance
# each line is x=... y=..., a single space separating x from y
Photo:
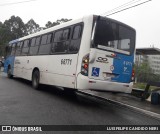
x=9 y=61
x=14 y=41
x=123 y=65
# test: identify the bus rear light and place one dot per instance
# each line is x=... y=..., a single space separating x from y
x=92 y=81
x=113 y=55
x=86 y=61
x=133 y=74
x=85 y=65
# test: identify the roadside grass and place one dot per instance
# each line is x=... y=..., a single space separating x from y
x=143 y=85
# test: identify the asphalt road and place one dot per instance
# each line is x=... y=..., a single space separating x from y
x=22 y=105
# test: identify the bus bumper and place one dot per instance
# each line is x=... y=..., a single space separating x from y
x=83 y=82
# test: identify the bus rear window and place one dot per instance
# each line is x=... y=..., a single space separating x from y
x=114 y=37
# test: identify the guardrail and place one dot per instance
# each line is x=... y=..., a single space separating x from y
x=146 y=91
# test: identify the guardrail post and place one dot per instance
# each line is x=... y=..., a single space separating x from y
x=146 y=93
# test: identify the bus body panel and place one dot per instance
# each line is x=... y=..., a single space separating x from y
x=110 y=75
x=59 y=70
x=85 y=42
x=100 y=64
x=123 y=64
x=110 y=66
x=85 y=83
x=25 y=65
x=62 y=70
x=113 y=68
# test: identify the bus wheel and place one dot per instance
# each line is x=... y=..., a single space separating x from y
x=35 y=79
x=9 y=73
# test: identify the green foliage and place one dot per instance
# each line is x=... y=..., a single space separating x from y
x=139 y=85
x=144 y=73
x=32 y=27
x=50 y=24
x=15 y=26
x=10 y=30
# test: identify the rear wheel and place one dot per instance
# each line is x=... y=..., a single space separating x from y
x=9 y=73
x=35 y=79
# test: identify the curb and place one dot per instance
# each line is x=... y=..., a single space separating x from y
x=148 y=113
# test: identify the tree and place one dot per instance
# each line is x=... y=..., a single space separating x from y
x=1 y=24
x=10 y=30
x=32 y=27
x=4 y=38
x=63 y=20
x=16 y=27
x=50 y=24
x=144 y=73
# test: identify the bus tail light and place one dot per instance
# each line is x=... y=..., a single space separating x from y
x=133 y=74
x=85 y=65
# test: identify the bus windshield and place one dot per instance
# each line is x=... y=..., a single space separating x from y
x=113 y=36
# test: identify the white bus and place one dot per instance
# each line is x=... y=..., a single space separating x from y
x=91 y=53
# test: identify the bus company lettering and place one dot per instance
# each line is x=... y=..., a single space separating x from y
x=20 y=128
x=66 y=61
x=127 y=63
x=34 y=129
x=102 y=60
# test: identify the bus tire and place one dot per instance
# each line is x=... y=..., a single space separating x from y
x=35 y=79
x=9 y=73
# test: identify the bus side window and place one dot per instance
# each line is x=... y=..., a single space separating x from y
x=13 y=49
x=25 y=48
x=38 y=39
x=66 y=34
x=33 y=42
x=45 y=46
x=61 y=41
x=18 y=48
x=44 y=39
x=76 y=38
x=58 y=36
x=33 y=47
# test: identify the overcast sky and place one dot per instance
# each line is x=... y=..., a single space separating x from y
x=144 y=18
